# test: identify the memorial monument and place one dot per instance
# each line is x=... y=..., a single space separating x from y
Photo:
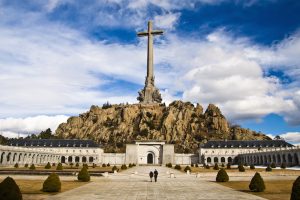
x=149 y=94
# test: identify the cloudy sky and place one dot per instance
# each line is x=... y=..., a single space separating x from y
x=59 y=57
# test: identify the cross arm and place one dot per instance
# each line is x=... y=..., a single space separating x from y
x=141 y=34
x=157 y=32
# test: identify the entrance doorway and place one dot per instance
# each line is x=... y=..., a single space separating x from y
x=150 y=158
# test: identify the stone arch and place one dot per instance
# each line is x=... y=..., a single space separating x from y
x=296 y=159
x=63 y=159
x=290 y=158
x=2 y=157
x=83 y=159
x=283 y=158
x=70 y=159
x=14 y=157
x=20 y=157
x=77 y=159
x=261 y=160
x=274 y=158
x=208 y=159
x=91 y=159
x=8 y=157
x=229 y=159
x=216 y=159
x=222 y=159
x=269 y=159
x=278 y=158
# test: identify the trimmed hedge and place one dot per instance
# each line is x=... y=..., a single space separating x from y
x=257 y=183
x=77 y=164
x=228 y=166
x=59 y=166
x=16 y=165
x=108 y=165
x=84 y=175
x=52 y=183
x=252 y=166
x=114 y=168
x=296 y=190
x=273 y=165
x=26 y=165
x=32 y=167
x=123 y=167
x=268 y=169
x=222 y=176
x=187 y=168
x=103 y=165
x=207 y=167
x=169 y=165
x=177 y=167
x=196 y=165
x=241 y=168
x=216 y=167
x=48 y=166
x=9 y=190
x=283 y=165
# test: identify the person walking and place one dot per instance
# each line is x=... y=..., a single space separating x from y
x=151 y=175
x=155 y=175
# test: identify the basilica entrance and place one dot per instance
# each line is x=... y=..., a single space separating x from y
x=150 y=158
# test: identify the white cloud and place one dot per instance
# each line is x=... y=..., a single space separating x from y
x=292 y=137
x=12 y=127
x=166 y=21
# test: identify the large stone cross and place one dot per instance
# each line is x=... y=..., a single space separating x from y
x=150 y=33
x=150 y=94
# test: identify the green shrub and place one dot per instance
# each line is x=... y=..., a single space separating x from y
x=241 y=168
x=273 y=165
x=207 y=167
x=53 y=164
x=16 y=165
x=222 y=165
x=59 y=166
x=228 y=166
x=48 y=166
x=169 y=165
x=257 y=183
x=83 y=175
x=133 y=164
x=123 y=167
x=252 y=166
x=108 y=165
x=246 y=164
x=52 y=183
x=71 y=164
x=283 y=165
x=130 y=165
x=196 y=165
x=9 y=190
x=296 y=190
x=187 y=168
x=32 y=167
x=177 y=167
x=114 y=168
x=192 y=165
x=26 y=165
x=94 y=165
x=103 y=165
x=216 y=167
x=222 y=176
x=77 y=164
x=85 y=165
x=268 y=169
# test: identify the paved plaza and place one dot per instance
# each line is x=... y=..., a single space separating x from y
x=134 y=184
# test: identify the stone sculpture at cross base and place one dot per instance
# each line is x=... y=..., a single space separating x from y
x=149 y=94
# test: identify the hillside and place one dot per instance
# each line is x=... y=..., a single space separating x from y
x=180 y=123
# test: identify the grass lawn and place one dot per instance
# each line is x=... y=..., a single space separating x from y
x=275 y=190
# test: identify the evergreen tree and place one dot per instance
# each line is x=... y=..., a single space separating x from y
x=187 y=168
x=52 y=183
x=59 y=166
x=48 y=166
x=257 y=184
x=252 y=166
x=9 y=190
x=84 y=175
x=216 y=167
x=16 y=165
x=222 y=176
x=241 y=168
x=32 y=167
x=296 y=190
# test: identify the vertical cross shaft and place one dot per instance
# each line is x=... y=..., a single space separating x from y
x=150 y=34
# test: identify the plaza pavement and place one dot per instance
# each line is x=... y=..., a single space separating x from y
x=134 y=184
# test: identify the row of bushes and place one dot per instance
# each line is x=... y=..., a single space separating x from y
x=241 y=167
x=48 y=165
x=9 y=190
x=257 y=183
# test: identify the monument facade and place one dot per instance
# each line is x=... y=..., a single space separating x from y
x=149 y=94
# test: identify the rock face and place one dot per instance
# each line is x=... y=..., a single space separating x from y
x=181 y=123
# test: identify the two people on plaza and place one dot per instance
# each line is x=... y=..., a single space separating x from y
x=155 y=174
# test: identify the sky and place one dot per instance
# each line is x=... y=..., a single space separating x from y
x=59 y=57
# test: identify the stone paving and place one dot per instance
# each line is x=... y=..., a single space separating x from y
x=135 y=184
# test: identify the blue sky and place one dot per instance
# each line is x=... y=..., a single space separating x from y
x=59 y=57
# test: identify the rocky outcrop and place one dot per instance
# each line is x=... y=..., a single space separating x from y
x=180 y=123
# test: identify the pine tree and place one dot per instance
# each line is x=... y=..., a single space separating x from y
x=257 y=183
x=216 y=167
x=32 y=167
x=48 y=166
x=241 y=168
x=52 y=183
x=59 y=166
x=222 y=176
x=9 y=190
